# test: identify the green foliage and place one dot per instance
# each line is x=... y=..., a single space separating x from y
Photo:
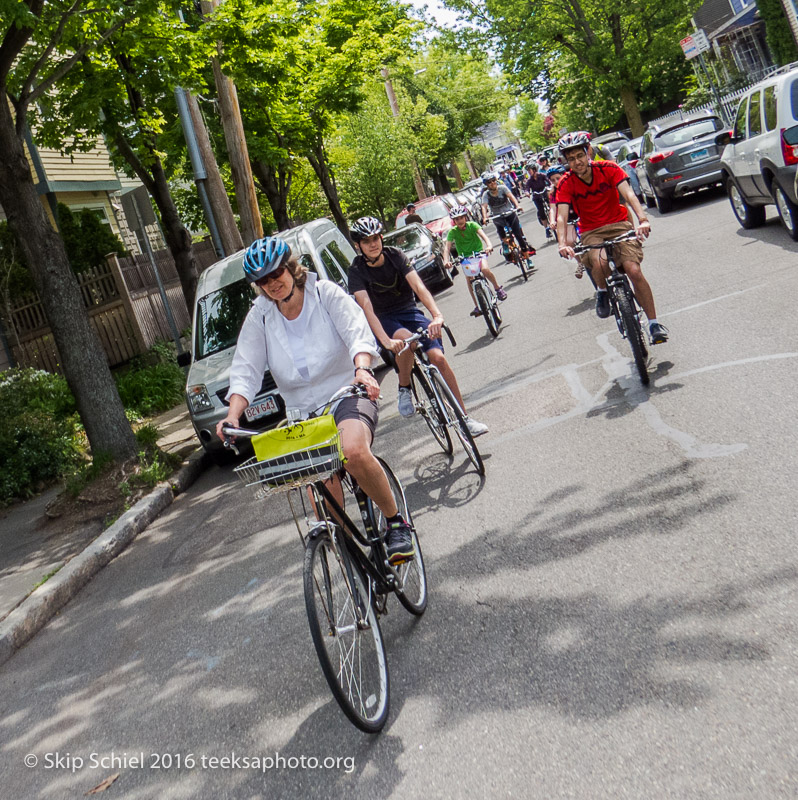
x=86 y=238
x=152 y=383
x=482 y=157
x=40 y=435
x=15 y=279
x=778 y=33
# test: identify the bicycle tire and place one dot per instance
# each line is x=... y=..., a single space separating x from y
x=494 y=309
x=459 y=424
x=353 y=660
x=413 y=595
x=520 y=262
x=484 y=305
x=634 y=333
x=429 y=409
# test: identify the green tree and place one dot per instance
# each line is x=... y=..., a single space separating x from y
x=123 y=89
x=34 y=59
x=620 y=55
x=86 y=239
x=778 y=33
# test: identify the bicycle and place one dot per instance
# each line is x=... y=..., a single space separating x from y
x=437 y=405
x=622 y=302
x=543 y=209
x=511 y=249
x=485 y=296
x=346 y=573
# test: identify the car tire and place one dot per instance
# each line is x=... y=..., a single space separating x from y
x=747 y=215
x=788 y=211
x=650 y=201
x=664 y=204
x=447 y=281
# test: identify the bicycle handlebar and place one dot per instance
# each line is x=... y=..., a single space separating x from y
x=230 y=431
x=580 y=249
x=422 y=334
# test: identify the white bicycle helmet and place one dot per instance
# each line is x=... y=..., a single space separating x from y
x=489 y=176
x=365 y=226
x=458 y=211
x=573 y=140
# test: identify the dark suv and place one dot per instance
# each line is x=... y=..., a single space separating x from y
x=679 y=156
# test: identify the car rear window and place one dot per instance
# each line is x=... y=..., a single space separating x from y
x=754 y=120
x=794 y=98
x=770 y=108
x=688 y=132
x=220 y=315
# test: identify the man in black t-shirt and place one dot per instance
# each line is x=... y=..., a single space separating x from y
x=383 y=282
x=411 y=214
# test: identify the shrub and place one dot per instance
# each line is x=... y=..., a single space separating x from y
x=40 y=434
x=153 y=383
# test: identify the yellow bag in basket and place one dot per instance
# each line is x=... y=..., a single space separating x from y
x=302 y=435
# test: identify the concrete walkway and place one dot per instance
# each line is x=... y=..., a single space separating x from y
x=33 y=552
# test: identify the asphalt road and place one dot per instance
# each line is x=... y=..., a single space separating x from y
x=612 y=610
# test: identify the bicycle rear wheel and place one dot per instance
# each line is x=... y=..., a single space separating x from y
x=634 y=332
x=429 y=408
x=520 y=262
x=457 y=417
x=352 y=658
x=413 y=594
x=485 y=306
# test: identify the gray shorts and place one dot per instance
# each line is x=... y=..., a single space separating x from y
x=358 y=408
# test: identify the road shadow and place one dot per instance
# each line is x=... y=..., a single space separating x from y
x=588 y=304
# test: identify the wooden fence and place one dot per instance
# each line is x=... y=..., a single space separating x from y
x=124 y=307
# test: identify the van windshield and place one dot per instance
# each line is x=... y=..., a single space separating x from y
x=220 y=316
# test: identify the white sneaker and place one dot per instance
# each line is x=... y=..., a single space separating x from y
x=475 y=428
x=406 y=405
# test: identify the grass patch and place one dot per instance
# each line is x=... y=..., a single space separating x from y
x=46 y=578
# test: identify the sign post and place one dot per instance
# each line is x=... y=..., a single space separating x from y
x=695 y=45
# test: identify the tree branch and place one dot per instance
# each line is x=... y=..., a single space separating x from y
x=15 y=39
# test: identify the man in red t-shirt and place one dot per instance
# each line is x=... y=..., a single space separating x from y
x=594 y=190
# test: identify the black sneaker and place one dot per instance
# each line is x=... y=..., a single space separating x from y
x=399 y=542
x=603 y=309
x=659 y=333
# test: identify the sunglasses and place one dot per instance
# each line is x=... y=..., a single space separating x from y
x=272 y=276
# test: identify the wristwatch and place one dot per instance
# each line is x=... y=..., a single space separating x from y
x=365 y=369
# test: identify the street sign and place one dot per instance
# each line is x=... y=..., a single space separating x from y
x=144 y=214
x=695 y=44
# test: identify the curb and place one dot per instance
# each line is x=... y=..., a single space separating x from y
x=30 y=616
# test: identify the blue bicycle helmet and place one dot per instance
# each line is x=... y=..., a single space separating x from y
x=558 y=170
x=264 y=256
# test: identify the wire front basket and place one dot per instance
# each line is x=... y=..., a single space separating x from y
x=292 y=470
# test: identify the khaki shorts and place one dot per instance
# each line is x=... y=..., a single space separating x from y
x=625 y=251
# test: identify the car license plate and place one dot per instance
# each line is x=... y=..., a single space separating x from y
x=261 y=409
x=699 y=155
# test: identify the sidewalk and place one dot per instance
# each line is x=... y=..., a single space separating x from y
x=33 y=547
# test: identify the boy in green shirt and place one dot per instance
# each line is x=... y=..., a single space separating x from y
x=469 y=238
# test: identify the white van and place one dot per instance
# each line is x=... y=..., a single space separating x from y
x=223 y=299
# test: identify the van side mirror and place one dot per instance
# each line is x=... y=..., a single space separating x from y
x=722 y=139
x=184 y=359
x=632 y=156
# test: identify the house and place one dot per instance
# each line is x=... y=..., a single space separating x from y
x=737 y=36
x=493 y=135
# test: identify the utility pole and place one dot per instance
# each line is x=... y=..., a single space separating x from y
x=234 y=136
x=217 y=194
x=394 y=104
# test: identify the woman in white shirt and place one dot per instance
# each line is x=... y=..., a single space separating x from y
x=314 y=338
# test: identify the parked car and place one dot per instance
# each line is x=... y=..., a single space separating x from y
x=434 y=212
x=223 y=299
x=612 y=141
x=760 y=156
x=679 y=156
x=425 y=253
x=627 y=157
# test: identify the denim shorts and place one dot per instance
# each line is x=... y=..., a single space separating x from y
x=412 y=319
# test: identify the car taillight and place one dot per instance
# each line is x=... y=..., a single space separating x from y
x=633 y=163
x=789 y=151
x=657 y=157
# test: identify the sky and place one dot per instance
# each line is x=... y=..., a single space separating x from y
x=436 y=10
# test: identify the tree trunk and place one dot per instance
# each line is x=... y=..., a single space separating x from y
x=439 y=179
x=275 y=184
x=470 y=164
x=458 y=178
x=318 y=160
x=83 y=360
x=632 y=110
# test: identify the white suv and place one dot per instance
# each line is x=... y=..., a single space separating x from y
x=761 y=155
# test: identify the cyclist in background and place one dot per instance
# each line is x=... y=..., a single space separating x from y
x=469 y=238
x=384 y=283
x=536 y=183
x=592 y=190
x=498 y=199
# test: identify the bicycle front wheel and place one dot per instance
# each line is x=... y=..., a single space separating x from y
x=413 y=594
x=634 y=332
x=485 y=306
x=521 y=263
x=346 y=633
x=458 y=422
x=429 y=407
